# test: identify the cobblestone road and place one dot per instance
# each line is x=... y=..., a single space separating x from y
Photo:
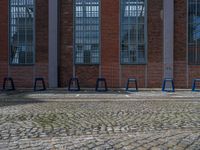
x=140 y=124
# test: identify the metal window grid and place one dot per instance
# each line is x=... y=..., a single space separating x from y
x=194 y=32
x=21 y=31
x=133 y=32
x=86 y=31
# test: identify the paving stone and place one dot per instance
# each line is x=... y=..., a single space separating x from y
x=168 y=123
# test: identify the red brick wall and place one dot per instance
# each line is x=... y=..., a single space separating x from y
x=155 y=44
x=181 y=74
x=110 y=41
x=149 y=75
x=111 y=69
x=41 y=66
x=87 y=75
x=133 y=71
x=23 y=75
x=66 y=42
x=115 y=74
x=180 y=43
x=3 y=39
x=194 y=72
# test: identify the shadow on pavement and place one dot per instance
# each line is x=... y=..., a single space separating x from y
x=15 y=103
x=17 y=97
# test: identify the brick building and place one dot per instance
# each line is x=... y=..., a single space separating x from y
x=115 y=39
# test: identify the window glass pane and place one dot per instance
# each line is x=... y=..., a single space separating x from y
x=87 y=32
x=21 y=15
x=133 y=16
x=194 y=31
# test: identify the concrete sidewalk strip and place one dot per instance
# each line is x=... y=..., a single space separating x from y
x=60 y=95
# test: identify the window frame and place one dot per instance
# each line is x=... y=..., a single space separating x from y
x=34 y=37
x=195 y=62
x=145 y=36
x=74 y=37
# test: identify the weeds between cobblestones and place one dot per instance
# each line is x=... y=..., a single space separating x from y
x=119 y=124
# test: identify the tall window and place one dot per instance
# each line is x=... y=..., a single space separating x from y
x=21 y=29
x=133 y=31
x=194 y=32
x=86 y=31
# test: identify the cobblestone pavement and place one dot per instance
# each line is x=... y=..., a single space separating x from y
x=171 y=123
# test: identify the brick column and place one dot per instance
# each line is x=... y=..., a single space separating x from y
x=168 y=38
x=53 y=43
x=110 y=41
x=3 y=40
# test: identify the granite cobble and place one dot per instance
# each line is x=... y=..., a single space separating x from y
x=116 y=124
